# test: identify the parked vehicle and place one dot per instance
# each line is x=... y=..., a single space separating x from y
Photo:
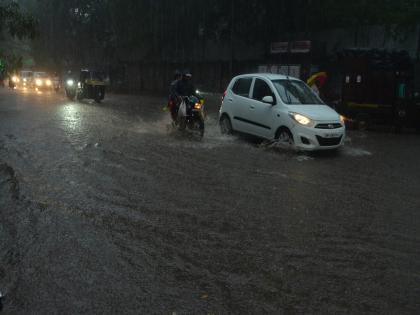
x=191 y=115
x=280 y=108
x=379 y=87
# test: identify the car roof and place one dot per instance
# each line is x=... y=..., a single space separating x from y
x=268 y=76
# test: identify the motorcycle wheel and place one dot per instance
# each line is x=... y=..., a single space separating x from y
x=182 y=124
x=198 y=127
x=70 y=96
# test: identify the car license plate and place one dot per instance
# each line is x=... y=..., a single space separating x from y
x=331 y=135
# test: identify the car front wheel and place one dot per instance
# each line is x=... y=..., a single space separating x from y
x=285 y=136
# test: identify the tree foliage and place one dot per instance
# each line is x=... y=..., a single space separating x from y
x=165 y=30
x=15 y=22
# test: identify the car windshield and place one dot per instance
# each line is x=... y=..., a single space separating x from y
x=293 y=92
x=40 y=75
x=26 y=74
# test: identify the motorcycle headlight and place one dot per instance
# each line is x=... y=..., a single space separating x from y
x=301 y=119
x=38 y=82
x=198 y=106
x=70 y=82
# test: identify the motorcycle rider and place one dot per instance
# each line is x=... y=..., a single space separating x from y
x=185 y=86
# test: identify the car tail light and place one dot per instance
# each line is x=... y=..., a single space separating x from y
x=224 y=95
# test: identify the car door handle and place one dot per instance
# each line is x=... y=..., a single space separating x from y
x=252 y=107
x=230 y=99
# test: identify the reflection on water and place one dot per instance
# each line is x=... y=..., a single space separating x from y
x=70 y=117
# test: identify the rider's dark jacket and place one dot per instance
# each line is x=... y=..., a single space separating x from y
x=184 y=88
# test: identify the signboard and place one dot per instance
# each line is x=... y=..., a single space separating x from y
x=290 y=70
x=301 y=46
x=296 y=47
x=279 y=47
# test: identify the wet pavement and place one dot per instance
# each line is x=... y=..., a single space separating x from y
x=105 y=209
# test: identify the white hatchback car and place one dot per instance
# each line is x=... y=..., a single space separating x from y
x=282 y=108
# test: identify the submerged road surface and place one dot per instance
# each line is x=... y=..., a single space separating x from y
x=105 y=209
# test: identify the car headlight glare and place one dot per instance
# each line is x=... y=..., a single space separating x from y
x=38 y=82
x=15 y=79
x=70 y=82
x=301 y=119
x=48 y=82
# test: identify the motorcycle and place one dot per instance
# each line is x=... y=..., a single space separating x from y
x=191 y=115
x=71 y=89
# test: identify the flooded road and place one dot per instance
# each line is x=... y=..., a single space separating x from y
x=105 y=209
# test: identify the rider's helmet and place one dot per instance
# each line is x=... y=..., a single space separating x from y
x=186 y=74
x=177 y=74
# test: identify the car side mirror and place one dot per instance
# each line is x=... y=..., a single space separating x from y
x=268 y=100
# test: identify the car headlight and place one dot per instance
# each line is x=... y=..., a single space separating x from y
x=38 y=82
x=48 y=82
x=70 y=82
x=301 y=119
x=15 y=79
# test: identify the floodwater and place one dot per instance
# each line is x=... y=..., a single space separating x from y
x=106 y=209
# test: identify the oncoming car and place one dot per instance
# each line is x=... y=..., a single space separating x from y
x=42 y=81
x=280 y=108
x=22 y=80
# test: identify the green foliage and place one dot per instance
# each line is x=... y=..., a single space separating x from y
x=15 y=22
x=102 y=30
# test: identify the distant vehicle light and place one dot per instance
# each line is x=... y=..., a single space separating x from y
x=38 y=82
x=15 y=79
x=70 y=82
x=197 y=92
x=48 y=82
x=25 y=79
